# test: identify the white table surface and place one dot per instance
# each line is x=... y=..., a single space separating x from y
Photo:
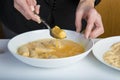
x=88 y=68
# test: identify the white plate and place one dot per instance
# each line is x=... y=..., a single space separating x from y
x=102 y=46
x=26 y=37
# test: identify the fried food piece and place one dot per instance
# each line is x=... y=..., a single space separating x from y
x=23 y=50
x=58 y=33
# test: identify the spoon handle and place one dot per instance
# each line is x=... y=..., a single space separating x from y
x=41 y=20
x=45 y=24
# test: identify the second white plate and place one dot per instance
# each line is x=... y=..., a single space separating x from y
x=102 y=46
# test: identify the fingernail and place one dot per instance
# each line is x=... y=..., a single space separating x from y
x=38 y=9
x=32 y=8
x=39 y=5
x=86 y=36
x=38 y=20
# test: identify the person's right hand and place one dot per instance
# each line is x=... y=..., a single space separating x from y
x=28 y=8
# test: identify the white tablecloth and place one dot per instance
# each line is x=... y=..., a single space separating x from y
x=87 y=69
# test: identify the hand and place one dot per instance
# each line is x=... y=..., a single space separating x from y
x=28 y=8
x=86 y=10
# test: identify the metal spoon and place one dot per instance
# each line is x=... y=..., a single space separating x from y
x=50 y=29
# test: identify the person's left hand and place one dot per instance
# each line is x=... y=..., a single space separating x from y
x=86 y=10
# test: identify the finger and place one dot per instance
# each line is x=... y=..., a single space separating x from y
x=96 y=32
x=30 y=14
x=33 y=16
x=37 y=9
x=78 y=21
x=88 y=29
x=90 y=24
x=34 y=2
x=36 y=18
x=19 y=8
x=31 y=4
x=99 y=29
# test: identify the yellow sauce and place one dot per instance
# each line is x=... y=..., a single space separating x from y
x=50 y=48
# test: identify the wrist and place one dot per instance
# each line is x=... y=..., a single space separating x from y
x=88 y=2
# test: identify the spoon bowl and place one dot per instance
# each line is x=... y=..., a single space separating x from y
x=55 y=32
